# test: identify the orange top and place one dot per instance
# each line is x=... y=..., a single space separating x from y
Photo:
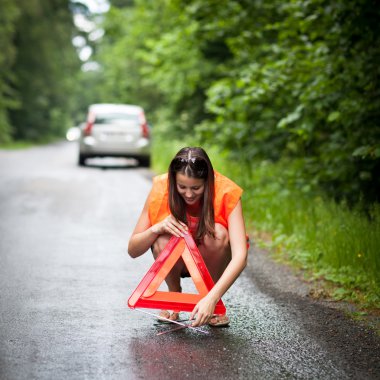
x=227 y=195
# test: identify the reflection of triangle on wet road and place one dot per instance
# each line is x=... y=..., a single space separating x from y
x=146 y=294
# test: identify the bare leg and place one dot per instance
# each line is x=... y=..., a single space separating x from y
x=216 y=252
x=173 y=279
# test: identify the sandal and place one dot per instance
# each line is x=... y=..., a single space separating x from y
x=174 y=316
x=219 y=321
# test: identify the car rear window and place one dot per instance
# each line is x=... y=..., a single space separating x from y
x=115 y=118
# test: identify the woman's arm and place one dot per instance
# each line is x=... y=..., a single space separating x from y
x=238 y=241
x=144 y=234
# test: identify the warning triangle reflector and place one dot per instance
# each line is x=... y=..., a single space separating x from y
x=147 y=295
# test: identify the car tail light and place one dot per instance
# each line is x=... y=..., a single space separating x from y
x=89 y=124
x=88 y=128
x=144 y=126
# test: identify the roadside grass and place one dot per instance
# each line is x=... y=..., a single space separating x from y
x=334 y=246
x=163 y=152
x=24 y=144
x=16 y=145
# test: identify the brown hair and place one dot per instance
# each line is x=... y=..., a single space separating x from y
x=195 y=163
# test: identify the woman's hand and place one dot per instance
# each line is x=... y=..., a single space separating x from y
x=203 y=311
x=170 y=225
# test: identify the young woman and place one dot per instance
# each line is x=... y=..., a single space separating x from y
x=194 y=198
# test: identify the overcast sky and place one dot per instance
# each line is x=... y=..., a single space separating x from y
x=90 y=27
x=96 y=6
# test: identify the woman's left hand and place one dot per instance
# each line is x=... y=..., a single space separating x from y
x=203 y=311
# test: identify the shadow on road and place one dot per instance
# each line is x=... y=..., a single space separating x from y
x=111 y=163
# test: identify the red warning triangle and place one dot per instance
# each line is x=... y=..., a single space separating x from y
x=146 y=294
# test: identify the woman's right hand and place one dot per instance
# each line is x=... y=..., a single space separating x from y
x=170 y=225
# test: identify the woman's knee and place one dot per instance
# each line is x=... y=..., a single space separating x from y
x=173 y=279
x=160 y=244
x=221 y=240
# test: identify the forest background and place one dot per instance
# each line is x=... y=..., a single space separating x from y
x=284 y=95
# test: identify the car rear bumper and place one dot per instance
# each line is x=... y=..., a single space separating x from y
x=92 y=148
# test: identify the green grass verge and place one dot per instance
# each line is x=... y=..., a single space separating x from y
x=24 y=144
x=329 y=242
x=16 y=145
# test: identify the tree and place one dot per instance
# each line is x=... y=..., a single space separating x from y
x=9 y=12
x=304 y=85
x=296 y=82
x=43 y=69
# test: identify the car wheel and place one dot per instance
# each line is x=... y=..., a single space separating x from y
x=81 y=159
x=144 y=161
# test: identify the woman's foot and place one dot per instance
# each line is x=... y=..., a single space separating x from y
x=219 y=321
x=165 y=316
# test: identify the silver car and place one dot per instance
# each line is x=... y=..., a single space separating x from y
x=115 y=130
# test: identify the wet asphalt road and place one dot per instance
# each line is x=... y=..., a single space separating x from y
x=65 y=278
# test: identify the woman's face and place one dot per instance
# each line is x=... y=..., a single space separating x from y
x=190 y=189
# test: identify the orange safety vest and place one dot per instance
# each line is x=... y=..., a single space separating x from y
x=227 y=195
